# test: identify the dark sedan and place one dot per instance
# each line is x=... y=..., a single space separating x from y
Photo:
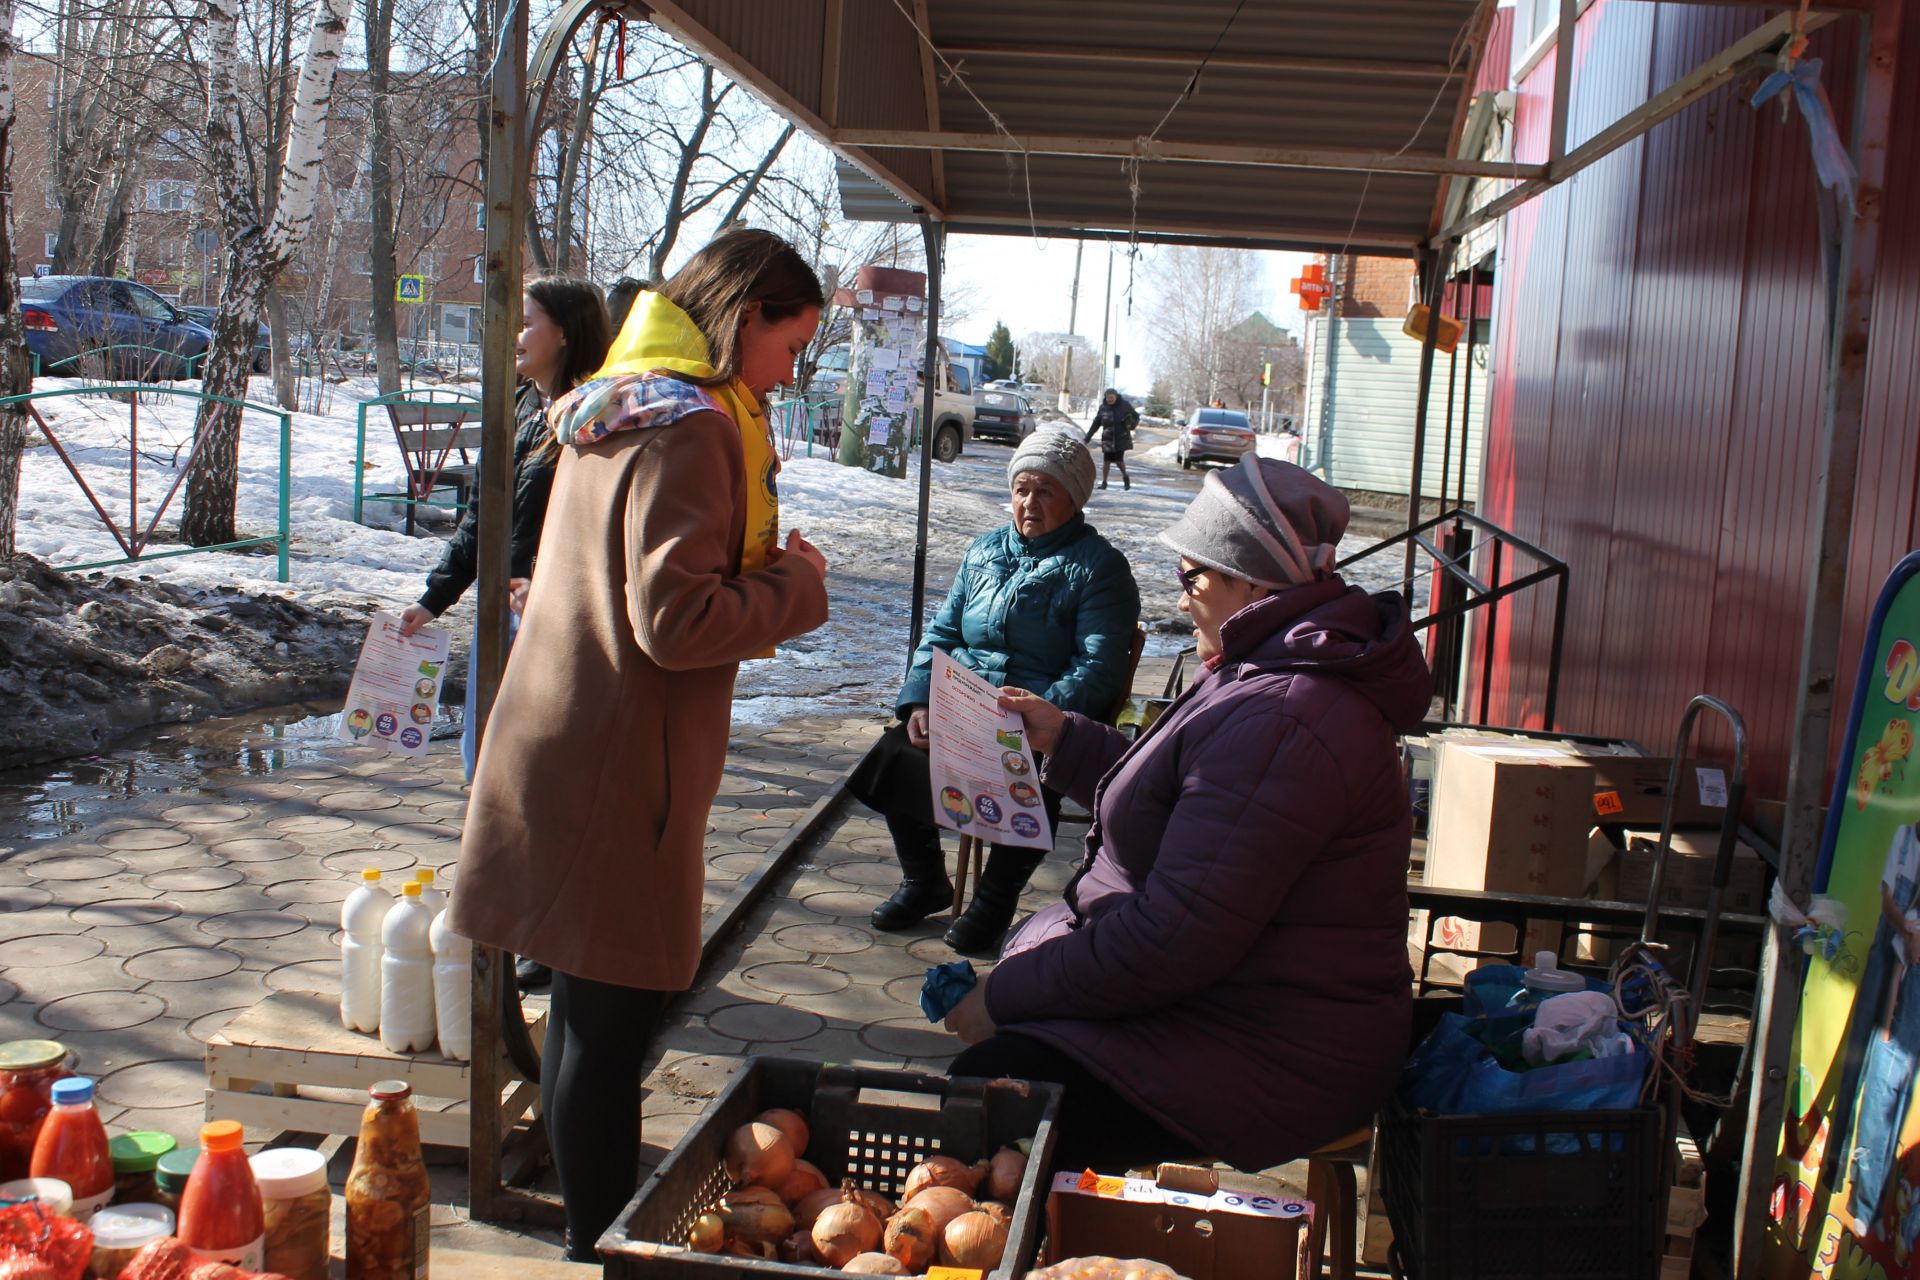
x=98 y=327
x=262 y=339
x=999 y=414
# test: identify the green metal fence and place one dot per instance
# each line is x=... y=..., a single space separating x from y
x=134 y=540
x=429 y=399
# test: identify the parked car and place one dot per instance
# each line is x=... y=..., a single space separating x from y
x=262 y=342
x=1001 y=414
x=1214 y=435
x=96 y=326
x=952 y=412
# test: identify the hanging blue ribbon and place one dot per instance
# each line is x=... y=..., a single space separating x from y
x=1830 y=159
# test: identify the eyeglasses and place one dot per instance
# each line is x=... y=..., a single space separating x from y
x=1188 y=579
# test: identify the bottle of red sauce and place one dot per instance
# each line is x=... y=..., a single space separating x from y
x=72 y=1147
x=221 y=1218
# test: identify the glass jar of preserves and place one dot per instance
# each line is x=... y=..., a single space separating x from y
x=170 y=1176
x=389 y=1199
x=122 y=1230
x=135 y=1156
x=298 y=1205
x=28 y=1069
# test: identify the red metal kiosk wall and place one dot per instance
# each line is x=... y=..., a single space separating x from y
x=1659 y=345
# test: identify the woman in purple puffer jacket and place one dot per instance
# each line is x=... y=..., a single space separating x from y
x=1227 y=976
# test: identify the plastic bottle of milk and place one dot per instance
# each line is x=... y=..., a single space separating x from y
x=361 y=916
x=406 y=974
x=452 y=989
x=435 y=900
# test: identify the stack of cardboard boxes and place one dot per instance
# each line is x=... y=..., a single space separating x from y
x=1568 y=820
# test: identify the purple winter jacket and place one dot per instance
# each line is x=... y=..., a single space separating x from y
x=1233 y=958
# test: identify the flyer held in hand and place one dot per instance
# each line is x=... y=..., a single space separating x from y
x=985 y=783
x=395 y=692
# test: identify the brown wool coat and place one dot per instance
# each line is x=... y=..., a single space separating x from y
x=584 y=833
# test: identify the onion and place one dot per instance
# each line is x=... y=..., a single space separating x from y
x=997 y=1211
x=743 y=1249
x=798 y=1248
x=757 y=1223
x=974 y=1241
x=941 y=1171
x=872 y=1201
x=875 y=1264
x=759 y=1153
x=752 y=1195
x=801 y=1183
x=709 y=1234
x=943 y=1205
x=844 y=1232
x=1004 y=1173
x=809 y=1206
x=791 y=1123
x=911 y=1239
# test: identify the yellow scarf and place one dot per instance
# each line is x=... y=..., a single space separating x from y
x=660 y=336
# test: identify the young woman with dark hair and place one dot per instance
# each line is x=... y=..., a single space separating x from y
x=563 y=339
x=584 y=834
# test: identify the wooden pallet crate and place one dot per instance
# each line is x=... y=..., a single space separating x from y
x=315 y=1073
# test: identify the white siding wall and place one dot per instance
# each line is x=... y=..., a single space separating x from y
x=1367 y=440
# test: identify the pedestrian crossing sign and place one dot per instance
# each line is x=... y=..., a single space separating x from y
x=410 y=289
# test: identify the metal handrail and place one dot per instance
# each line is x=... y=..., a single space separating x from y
x=1464 y=591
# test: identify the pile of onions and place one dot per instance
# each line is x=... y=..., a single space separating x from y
x=781 y=1207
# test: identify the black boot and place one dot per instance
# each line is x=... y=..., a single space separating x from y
x=980 y=928
x=925 y=888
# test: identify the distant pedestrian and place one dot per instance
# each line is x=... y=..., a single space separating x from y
x=1114 y=422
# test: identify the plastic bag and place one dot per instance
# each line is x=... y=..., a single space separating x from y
x=1491 y=987
x=28 y=1233
x=1458 y=1070
x=1105 y=1269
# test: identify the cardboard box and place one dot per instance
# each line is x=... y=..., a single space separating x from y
x=1512 y=818
x=1625 y=859
x=1204 y=1224
x=1629 y=786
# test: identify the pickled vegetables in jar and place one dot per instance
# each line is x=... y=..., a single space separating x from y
x=28 y=1069
x=389 y=1199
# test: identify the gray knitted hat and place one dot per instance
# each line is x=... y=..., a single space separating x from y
x=1060 y=455
x=1265 y=521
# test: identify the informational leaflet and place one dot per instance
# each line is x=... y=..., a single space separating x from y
x=984 y=780
x=395 y=692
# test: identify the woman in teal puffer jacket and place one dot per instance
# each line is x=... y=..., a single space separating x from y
x=1043 y=603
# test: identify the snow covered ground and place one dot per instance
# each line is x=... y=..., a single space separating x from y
x=864 y=524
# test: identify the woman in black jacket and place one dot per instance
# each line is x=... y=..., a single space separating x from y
x=1114 y=423
x=563 y=341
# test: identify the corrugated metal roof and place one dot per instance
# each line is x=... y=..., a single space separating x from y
x=1368 y=76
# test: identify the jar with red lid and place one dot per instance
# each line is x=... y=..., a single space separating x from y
x=28 y=1069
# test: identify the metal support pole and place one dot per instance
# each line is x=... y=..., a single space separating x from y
x=1106 y=328
x=506 y=205
x=1446 y=437
x=935 y=243
x=1849 y=327
x=1073 y=320
x=1435 y=289
x=1466 y=395
x=1562 y=84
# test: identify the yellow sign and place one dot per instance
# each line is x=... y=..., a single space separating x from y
x=410 y=289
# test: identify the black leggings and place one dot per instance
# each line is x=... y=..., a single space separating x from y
x=590 y=1073
x=1096 y=1128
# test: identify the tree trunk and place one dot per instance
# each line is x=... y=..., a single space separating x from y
x=377 y=17
x=286 y=391
x=15 y=376
x=254 y=257
x=676 y=210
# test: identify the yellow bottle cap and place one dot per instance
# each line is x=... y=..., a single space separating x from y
x=411 y=889
x=424 y=875
x=369 y=875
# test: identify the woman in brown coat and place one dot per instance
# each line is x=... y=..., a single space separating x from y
x=660 y=573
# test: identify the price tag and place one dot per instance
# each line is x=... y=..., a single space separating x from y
x=1094 y=1184
x=1607 y=803
x=1713 y=787
x=955 y=1273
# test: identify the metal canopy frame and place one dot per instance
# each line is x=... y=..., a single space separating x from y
x=873 y=150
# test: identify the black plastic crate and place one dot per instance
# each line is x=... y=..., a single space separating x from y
x=868 y=1125
x=1577 y=1195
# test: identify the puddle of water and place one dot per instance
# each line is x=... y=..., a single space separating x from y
x=45 y=802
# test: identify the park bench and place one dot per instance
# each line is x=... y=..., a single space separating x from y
x=430 y=431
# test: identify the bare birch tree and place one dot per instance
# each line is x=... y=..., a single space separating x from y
x=15 y=368
x=1199 y=295
x=257 y=250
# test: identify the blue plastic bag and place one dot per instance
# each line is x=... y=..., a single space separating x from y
x=1455 y=1071
x=1490 y=987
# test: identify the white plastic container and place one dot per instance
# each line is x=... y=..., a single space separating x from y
x=406 y=974
x=54 y=1194
x=361 y=917
x=122 y=1230
x=452 y=989
x=436 y=899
